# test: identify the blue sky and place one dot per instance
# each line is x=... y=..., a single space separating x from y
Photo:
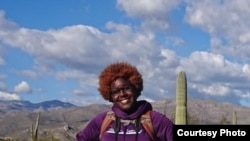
x=55 y=49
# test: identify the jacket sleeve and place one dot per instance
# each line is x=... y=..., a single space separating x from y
x=163 y=127
x=92 y=130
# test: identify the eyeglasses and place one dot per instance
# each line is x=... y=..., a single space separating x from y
x=126 y=89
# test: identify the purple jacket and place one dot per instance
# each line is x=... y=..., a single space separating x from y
x=163 y=127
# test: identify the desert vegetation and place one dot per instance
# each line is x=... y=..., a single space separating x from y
x=63 y=124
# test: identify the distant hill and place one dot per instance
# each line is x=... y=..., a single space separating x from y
x=64 y=120
x=22 y=106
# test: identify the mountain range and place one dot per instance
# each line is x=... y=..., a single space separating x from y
x=63 y=120
x=22 y=106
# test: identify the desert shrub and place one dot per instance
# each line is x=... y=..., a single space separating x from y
x=49 y=138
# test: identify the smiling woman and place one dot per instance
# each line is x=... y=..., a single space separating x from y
x=121 y=83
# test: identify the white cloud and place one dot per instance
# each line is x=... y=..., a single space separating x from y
x=226 y=21
x=22 y=87
x=214 y=89
x=153 y=13
x=147 y=8
x=245 y=96
x=79 y=52
x=206 y=66
x=8 y=96
x=246 y=68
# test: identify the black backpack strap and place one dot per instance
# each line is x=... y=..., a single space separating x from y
x=117 y=127
x=137 y=127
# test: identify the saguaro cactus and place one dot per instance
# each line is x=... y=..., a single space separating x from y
x=181 y=99
x=34 y=130
x=234 y=117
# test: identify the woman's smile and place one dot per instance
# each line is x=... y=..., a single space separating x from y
x=123 y=94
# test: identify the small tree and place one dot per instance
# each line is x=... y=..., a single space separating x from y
x=224 y=120
x=192 y=119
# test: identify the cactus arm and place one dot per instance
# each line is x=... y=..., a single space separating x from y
x=34 y=130
x=234 y=117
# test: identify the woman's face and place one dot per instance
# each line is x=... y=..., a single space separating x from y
x=123 y=94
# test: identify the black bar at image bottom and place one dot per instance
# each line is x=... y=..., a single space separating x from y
x=211 y=132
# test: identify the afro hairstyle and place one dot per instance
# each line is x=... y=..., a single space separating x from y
x=119 y=70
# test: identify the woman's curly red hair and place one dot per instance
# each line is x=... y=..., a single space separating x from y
x=119 y=70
